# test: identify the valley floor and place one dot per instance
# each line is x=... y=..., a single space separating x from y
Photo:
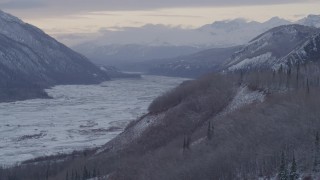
x=76 y=118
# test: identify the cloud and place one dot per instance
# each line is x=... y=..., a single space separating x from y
x=72 y=6
x=299 y=15
x=172 y=15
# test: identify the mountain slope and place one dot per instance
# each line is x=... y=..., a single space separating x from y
x=270 y=49
x=30 y=54
x=193 y=65
x=309 y=51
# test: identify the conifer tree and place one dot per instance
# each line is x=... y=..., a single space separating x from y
x=293 y=171
x=316 y=164
x=288 y=77
x=188 y=142
x=298 y=72
x=47 y=173
x=283 y=171
x=210 y=131
x=85 y=174
x=184 y=143
x=94 y=172
x=308 y=86
x=72 y=175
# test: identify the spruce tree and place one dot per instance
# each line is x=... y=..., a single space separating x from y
x=85 y=174
x=308 y=86
x=210 y=131
x=47 y=173
x=316 y=163
x=72 y=175
x=94 y=172
x=293 y=172
x=283 y=171
x=288 y=77
x=188 y=142
x=298 y=72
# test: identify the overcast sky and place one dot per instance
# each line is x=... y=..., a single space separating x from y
x=89 y=16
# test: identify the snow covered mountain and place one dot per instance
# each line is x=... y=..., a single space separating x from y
x=311 y=20
x=133 y=44
x=279 y=46
x=158 y=41
x=238 y=31
x=32 y=59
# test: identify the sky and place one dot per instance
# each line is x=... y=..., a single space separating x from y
x=58 y=17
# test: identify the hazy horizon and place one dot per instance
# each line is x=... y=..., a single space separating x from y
x=90 y=17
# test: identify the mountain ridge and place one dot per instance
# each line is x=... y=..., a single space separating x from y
x=269 y=49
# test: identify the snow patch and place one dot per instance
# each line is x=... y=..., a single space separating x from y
x=255 y=61
x=243 y=97
x=145 y=123
x=133 y=133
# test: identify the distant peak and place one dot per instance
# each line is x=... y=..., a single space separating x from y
x=231 y=21
x=277 y=19
x=291 y=29
x=310 y=20
x=313 y=16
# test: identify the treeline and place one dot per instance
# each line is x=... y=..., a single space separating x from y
x=82 y=175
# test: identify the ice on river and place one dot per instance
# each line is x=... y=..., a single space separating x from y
x=78 y=117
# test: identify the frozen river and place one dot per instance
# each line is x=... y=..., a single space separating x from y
x=78 y=116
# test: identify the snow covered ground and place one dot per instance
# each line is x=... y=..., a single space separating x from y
x=78 y=116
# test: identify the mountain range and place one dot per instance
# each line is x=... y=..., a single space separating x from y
x=131 y=45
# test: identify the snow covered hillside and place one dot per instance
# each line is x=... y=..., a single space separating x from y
x=282 y=45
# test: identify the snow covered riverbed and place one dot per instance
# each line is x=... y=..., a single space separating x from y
x=78 y=116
